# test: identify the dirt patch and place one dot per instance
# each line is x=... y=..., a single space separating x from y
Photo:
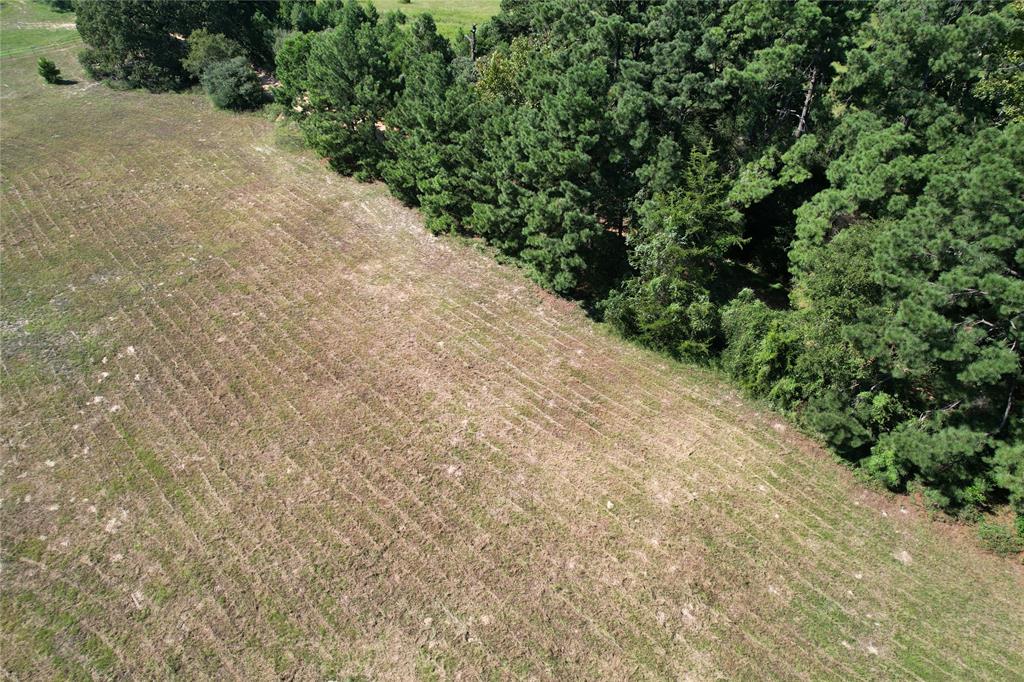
x=53 y=25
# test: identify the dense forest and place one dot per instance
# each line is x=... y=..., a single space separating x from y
x=823 y=199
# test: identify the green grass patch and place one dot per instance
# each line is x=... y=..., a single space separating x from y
x=18 y=41
x=151 y=471
x=450 y=15
x=27 y=26
x=13 y=11
x=58 y=634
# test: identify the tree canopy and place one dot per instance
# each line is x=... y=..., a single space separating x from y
x=143 y=43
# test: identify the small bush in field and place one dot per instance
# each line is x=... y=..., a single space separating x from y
x=233 y=84
x=48 y=70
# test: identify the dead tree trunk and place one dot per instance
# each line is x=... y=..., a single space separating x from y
x=801 y=126
x=472 y=43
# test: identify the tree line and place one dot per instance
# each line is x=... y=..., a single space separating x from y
x=823 y=199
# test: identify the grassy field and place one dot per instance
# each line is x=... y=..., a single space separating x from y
x=258 y=423
x=28 y=27
x=450 y=15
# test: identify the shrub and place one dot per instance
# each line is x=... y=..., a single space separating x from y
x=232 y=84
x=132 y=73
x=1000 y=539
x=1008 y=468
x=142 y=73
x=59 y=5
x=48 y=70
x=206 y=49
x=95 y=63
x=761 y=344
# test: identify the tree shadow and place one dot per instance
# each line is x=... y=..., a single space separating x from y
x=65 y=81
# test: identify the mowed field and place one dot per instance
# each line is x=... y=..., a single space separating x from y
x=29 y=27
x=258 y=423
x=450 y=15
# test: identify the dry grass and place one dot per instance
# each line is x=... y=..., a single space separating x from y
x=258 y=423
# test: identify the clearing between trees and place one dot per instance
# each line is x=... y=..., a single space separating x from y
x=258 y=422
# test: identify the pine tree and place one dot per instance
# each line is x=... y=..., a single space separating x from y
x=48 y=70
x=356 y=85
x=678 y=247
x=436 y=144
x=952 y=346
x=293 y=70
